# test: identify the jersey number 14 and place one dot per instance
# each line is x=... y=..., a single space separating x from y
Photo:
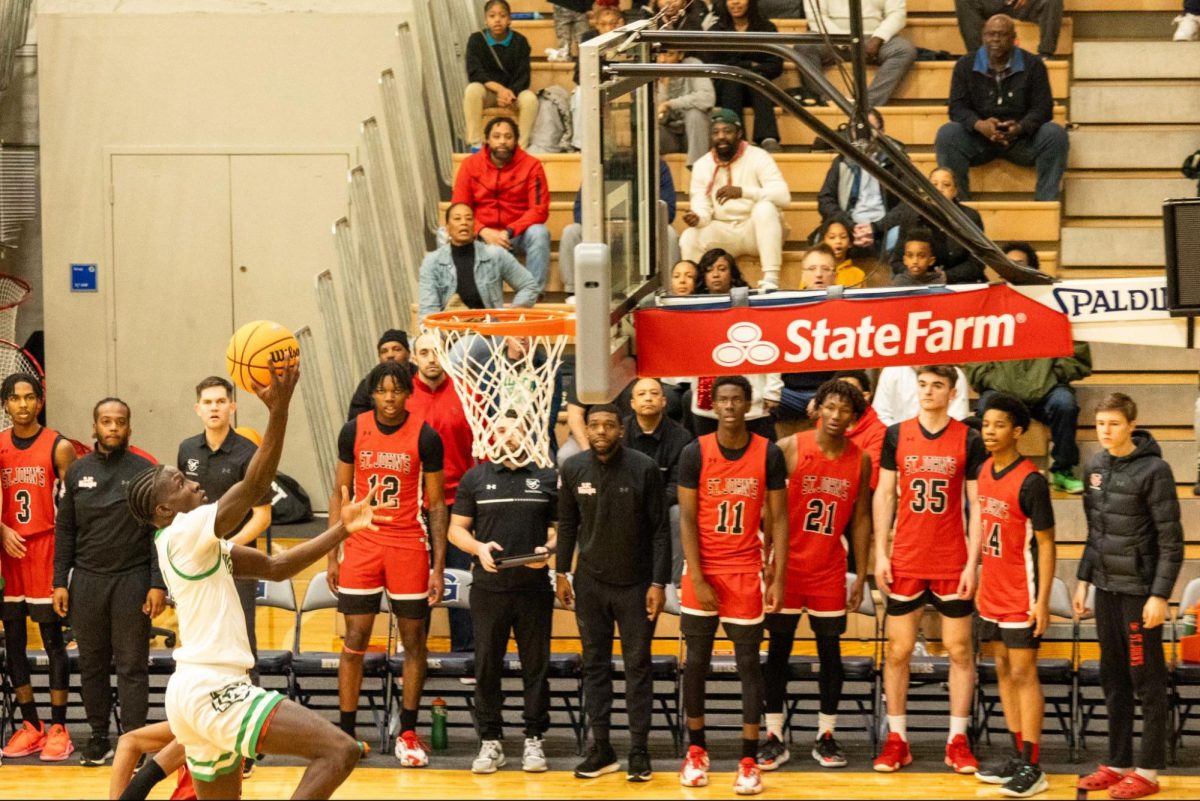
x=991 y=542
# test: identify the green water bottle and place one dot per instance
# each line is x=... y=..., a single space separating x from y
x=440 y=740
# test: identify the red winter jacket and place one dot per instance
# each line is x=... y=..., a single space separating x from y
x=443 y=411
x=513 y=196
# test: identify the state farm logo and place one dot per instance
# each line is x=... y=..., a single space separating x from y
x=745 y=344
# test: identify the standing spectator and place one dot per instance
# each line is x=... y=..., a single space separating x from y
x=1044 y=385
x=1133 y=555
x=972 y=14
x=897 y=396
x=612 y=504
x=476 y=272
x=436 y=401
x=683 y=108
x=216 y=459
x=869 y=431
x=959 y=266
x=106 y=577
x=882 y=22
x=743 y=16
x=34 y=461
x=920 y=265
x=1001 y=106
x=508 y=509
x=1187 y=24
x=392 y=347
x=737 y=197
x=498 y=72
x=570 y=24
x=506 y=189
x=655 y=434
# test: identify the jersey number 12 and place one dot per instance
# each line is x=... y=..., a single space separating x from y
x=390 y=489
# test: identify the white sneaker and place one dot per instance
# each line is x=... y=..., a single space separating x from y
x=411 y=752
x=1187 y=28
x=534 y=758
x=491 y=757
x=694 y=770
x=749 y=778
x=556 y=54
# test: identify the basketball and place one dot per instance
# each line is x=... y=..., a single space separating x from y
x=251 y=349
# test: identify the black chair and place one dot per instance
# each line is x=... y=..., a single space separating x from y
x=1185 y=676
x=273 y=663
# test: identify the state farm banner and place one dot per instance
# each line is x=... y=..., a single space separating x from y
x=990 y=323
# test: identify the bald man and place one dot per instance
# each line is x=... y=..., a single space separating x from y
x=972 y=14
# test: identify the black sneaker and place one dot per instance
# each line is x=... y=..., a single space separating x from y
x=247 y=768
x=773 y=754
x=827 y=752
x=97 y=751
x=600 y=759
x=1028 y=780
x=999 y=771
x=639 y=766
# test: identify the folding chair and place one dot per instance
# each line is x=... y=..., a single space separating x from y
x=1185 y=675
x=1057 y=676
x=275 y=663
x=1087 y=677
x=312 y=669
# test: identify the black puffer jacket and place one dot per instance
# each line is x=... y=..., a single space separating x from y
x=1135 y=540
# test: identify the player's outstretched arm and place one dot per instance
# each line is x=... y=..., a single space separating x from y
x=354 y=516
x=234 y=505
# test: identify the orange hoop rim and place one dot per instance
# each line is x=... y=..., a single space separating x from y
x=504 y=322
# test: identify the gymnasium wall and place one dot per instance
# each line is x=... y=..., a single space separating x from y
x=196 y=152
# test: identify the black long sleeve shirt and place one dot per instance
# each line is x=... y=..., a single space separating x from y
x=664 y=445
x=507 y=64
x=1022 y=93
x=95 y=531
x=616 y=513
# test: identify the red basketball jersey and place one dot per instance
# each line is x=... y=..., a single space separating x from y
x=930 y=540
x=393 y=462
x=821 y=497
x=731 y=496
x=28 y=482
x=1008 y=582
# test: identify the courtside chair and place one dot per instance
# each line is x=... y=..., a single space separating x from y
x=862 y=686
x=1057 y=676
x=315 y=672
x=1088 y=694
x=1185 y=675
x=274 y=663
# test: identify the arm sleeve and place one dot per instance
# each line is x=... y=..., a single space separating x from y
x=766 y=65
x=689 y=466
x=462 y=186
x=701 y=203
x=654 y=496
x=1039 y=96
x=895 y=17
x=1035 y=502
x=884 y=400
x=1164 y=507
x=1076 y=366
x=464 y=495
x=772 y=185
x=976 y=454
x=977 y=374
x=961 y=110
x=64 y=532
x=701 y=93
x=156 y=577
x=517 y=277
x=429 y=448
x=666 y=189
x=478 y=60
x=360 y=402
x=538 y=210
x=776 y=468
x=887 y=456
x=521 y=70
x=428 y=301
x=827 y=197
x=568 y=522
x=346 y=442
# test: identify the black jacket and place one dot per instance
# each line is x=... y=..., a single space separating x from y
x=664 y=445
x=959 y=266
x=616 y=511
x=829 y=203
x=506 y=65
x=765 y=64
x=1135 y=540
x=1024 y=94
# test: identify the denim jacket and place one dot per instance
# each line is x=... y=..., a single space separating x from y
x=494 y=267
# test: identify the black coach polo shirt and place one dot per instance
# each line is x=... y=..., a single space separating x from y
x=514 y=507
x=217 y=471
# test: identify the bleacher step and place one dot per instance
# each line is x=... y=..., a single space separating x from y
x=1109 y=357
x=1135 y=60
x=1096 y=194
x=1138 y=102
x=1112 y=243
x=1163 y=400
x=1070 y=525
x=1118 y=147
x=1180 y=455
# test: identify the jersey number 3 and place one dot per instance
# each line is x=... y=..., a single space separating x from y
x=819 y=517
x=390 y=489
x=930 y=495
x=729 y=517
x=24 y=515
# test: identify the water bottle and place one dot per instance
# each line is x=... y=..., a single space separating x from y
x=1189 y=620
x=439 y=738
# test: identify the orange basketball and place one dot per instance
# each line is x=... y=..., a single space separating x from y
x=251 y=349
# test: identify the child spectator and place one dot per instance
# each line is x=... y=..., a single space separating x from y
x=920 y=265
x=836 y=235
x=498 y=71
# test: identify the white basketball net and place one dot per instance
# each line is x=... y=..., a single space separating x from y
x=506 y=384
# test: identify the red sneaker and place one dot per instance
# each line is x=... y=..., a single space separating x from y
x=1133 y=785
x=749 y=778
x=959 y=756
x=26 y=741
x=694 y=770
x=58 y=744
x=895 y=755
x=1102 y=779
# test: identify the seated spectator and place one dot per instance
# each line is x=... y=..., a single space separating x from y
x=954 y=260
x=677 y=15
x=896 y=395
x=1001 y=106
x=737 y=195
x=683 y=108
x=570 y=25
x=1047 y=14
x=498 y=74
x=882 y=22
x=782 y=9
x=721 y=272
x=742 y=16
x=1187 y=25
x=1022 y=254
x=920 y=264
x=605 y=19
x=507 y=191
x=836 y=235
x=686 y=278
x=474 y=271
x=818 y=270
x=392 y=347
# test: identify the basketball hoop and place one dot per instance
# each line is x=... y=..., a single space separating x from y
x=13 y=292
x=504 y=363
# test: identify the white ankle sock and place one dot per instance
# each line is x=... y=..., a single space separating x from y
x=1147 y=774
x=826 y=723
x=898 y=724
x=958 y=726
x=775 y=725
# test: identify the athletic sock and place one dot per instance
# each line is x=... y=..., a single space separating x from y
x=58 y=714
x=30 y=714
x=347 y=722
x=143 y=781
x=825 y=723
x=749 y=748
x=1148 y=774
x=1018 y=742
x=1031 y=752
x=775 y=725
x=898 y=724
x=958 y=726
x=696 y=737
x=408 y=720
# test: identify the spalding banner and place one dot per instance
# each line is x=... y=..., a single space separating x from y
x=991 y=323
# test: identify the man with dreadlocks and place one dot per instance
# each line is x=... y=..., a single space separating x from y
x=218 y=716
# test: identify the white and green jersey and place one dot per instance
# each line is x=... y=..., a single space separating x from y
x=198 y=569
